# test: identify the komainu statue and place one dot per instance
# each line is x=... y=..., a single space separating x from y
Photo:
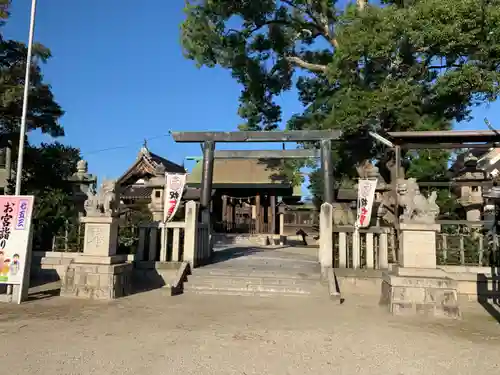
x=416 y=208
x=103 y=202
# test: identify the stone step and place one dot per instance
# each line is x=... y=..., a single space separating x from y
x=251 y=283
x=241 y=293
x=257 y=273
x=234 y=280
x=251 y=289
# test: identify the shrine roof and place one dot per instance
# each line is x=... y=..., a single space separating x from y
x=444 y=138
x=256 y=173
x=147 y=163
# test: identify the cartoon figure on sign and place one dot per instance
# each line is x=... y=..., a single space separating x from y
x=15 y=265
x=1 y=259
x=5 y=267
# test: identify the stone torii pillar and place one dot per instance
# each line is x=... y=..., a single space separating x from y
x=206 y=180
x=325 y=253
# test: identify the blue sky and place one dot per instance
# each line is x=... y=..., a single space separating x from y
x=118 y=72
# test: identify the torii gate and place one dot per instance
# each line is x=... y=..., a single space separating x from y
x=325 y=137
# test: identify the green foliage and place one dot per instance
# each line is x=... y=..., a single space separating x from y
x=406 y=65
x=43 y=111
x=128 y=235
x=46 y=167
x=45 y=175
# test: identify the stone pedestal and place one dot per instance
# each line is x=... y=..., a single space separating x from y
x=411 y=291
x=417 y=245
x=101 y=236
x=98 y=273
x=416 y=286
x=101 y=282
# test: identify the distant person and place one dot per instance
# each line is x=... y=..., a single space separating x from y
x=303 y=234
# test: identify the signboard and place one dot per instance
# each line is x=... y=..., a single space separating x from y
x=174 y=188
x=15 y=231
x=366 y=195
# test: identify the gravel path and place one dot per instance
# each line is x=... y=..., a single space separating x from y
x=152 y=333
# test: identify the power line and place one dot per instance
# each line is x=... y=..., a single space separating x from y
x=127 y=145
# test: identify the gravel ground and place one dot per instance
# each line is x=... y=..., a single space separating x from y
x=152 y=333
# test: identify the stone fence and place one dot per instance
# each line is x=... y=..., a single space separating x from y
x=187 y=240
x=367 y=248
x=376 y=248
x=165 y=254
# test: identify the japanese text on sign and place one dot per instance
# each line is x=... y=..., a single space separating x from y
x=366 y=195
x=15 y=222
x=174 y=189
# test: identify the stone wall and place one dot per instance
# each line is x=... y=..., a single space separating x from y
x=97 y=281
x=104 y=281
x=472 y=282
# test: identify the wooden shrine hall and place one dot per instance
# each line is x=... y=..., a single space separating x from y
x=246 y=193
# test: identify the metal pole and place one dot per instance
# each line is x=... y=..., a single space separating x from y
x=327 y=167
x=206 y=177
x=8 y=167
x=22 y=130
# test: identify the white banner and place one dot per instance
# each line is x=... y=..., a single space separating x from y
x=174 y=188
x=15 y=230
x=366 y=195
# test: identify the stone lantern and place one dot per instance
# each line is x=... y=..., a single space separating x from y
x=471 y=197
x=157 y=184
x=82 y=182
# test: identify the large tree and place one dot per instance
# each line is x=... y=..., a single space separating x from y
x=399 y=65
x=46 y=166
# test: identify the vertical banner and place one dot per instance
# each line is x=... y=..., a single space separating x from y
x=174 y=188
x=15 y=231
x=366 y=196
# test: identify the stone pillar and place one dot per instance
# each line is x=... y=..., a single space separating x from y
x=206 y=181
x=224 y=213
x=153 y=243
x=273 y=214
x=192 y=253
x=281 y=218
x=325 y=255
x=101 y=236
x=417 y=245
x=257 y=213
x=342 y=250
x=416 y=286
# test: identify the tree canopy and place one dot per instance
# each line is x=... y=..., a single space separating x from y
x=46 y=166
x=398 y=65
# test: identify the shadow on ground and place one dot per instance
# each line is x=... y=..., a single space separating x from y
x=488 y=298
x=234 y=253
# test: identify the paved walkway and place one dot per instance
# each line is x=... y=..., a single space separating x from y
x=152 y=333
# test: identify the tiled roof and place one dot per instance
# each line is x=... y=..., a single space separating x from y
x=170 y=166
x=241 y=171
x=146 y=164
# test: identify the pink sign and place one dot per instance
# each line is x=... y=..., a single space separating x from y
x=15 y=221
